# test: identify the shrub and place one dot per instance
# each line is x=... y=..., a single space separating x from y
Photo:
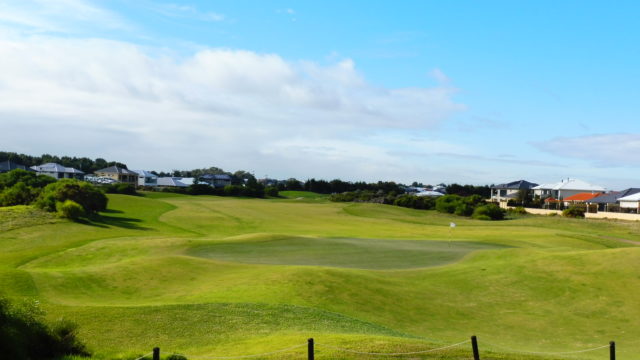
x=463 y=209
x=271 y=191
x=448 y=203
x=18 y=194
x=29 y=178
x=83 y=193
x=201 y=189
x=24 y=334
x=120 y=188
x=518 y=210
x=488 y=212
x=232 y=190
x=70 y=209
x=573 y=212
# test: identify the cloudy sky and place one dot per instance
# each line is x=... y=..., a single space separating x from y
x=433 y=91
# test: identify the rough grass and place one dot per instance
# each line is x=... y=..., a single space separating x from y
x=211 y=276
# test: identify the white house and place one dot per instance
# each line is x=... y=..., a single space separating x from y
x=566 y=188
x=630 y=202
x=58 y=171
x=146 y=178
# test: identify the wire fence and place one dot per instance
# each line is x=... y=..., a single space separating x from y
x=311 y=346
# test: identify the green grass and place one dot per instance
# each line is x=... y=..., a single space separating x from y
x=304 y=195
x=212 y=276
x=340 y=252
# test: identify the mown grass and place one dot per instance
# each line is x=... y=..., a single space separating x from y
x=211 y=276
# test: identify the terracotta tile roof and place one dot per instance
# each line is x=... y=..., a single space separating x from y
x=582 y=197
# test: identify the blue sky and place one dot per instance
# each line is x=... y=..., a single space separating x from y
x=432 y=91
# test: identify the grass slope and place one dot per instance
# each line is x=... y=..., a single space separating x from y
x=221 y=276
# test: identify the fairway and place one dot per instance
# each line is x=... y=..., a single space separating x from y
x=218 y=276
x=337 y=252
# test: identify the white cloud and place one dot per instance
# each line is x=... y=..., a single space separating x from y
x=603 y=150
x=230 y=108
x=60 y=16
x=185 y=11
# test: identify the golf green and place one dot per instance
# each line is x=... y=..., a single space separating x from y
x=374 y=254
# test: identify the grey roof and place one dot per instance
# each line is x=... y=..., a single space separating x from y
x=10 y=165
x=56 y=168
x=612 y=197
x=216 y=177
x=145 y=173
x=171 y=181
x=117 y=170
x=516 y=185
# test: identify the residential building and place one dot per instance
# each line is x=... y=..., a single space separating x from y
x=146 y=178
x=170 y=181
x=216 y=180
x=508 y=191
x=119 y=174
x=566 y=188
x=610 y=200
x=630 y=202
x=8 y=165
x=58 y=171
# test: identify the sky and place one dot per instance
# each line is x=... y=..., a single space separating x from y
x=474 y=92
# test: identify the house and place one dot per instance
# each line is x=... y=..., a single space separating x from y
x=580 y=198
x=118 y=174
x=169 y=181
x=216 y=180
x=508 y=191
x=8 y=165
x=566 y=188
x=146 y=178
x=609 y=200
x=630 y=202
x=58 y=171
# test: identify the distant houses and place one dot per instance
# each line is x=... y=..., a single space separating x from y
x=566 y=188
x=58 y=171
x=216 y=180
x=118 y=174
x=146 y=178
x=609 y=201
x=170 y=181
x=508 y=191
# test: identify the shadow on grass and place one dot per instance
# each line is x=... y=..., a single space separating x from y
x=105 y=221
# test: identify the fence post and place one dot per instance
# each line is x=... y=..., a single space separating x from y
x=612 y=350
x=310 y=349
x=474 y=346
x=156 y=353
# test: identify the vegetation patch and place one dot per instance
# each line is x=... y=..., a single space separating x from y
x=343 y=252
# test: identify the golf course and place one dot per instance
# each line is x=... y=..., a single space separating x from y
x=218 y=277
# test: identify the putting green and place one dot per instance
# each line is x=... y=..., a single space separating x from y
x=373 y=254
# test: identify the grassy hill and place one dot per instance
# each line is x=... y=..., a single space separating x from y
x=210 y=276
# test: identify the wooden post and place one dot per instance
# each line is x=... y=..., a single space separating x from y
x=612 y=350
x=310 y=349
x=156 y=353
x=474 y=346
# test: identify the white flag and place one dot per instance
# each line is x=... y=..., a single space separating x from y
x=452 y=224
